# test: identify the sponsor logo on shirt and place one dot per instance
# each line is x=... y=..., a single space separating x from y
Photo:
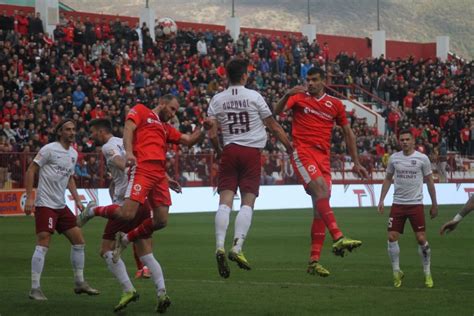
x=312 y=169
x=323 y=115
x=152 y=121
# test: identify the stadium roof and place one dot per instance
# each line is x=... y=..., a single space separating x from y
x=31 y=3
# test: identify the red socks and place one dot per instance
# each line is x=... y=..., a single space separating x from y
x=106 y=211
x=144 y=230
x=325 y=211
x=318 y=233
x=137 y=260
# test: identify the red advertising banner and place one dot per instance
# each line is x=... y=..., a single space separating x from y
x=12 y=202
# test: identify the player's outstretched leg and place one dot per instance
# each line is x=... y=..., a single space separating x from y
x=86 y=214
x=344 y=243
x=222 y=265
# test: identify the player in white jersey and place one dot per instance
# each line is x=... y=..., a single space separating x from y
x=242 y=115
x=114 y=153
x=55 y=163
x=408 y=169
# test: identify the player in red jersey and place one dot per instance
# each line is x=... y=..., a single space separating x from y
x=145 y=139
x=314 y=115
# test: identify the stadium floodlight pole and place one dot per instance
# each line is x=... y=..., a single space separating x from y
x=309 y=14
x=233 y=9
x=378 y=15
x=146 y=4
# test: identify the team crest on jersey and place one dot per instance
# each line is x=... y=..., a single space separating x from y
x=73 y=160
x=137 y=187
x=328 y=104
x=413 y=162
x=312 y=169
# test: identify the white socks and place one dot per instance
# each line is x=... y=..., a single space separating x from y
x=119 y=271
x=394 y=254
x=242 y=226
x=221 y=222
x=156 y=272
x=424 y=251
x=37 y=264
x=77 y=261
x=425 y=254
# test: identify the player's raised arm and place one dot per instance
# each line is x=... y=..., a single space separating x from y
x=128 y=131
x=387 y=182
x=280 y=106
x=194 y=138
x=279 y=133
x=352 y=147
x=71 y=185
x=29 y=182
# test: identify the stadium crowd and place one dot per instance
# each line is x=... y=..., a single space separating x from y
x=95 y=69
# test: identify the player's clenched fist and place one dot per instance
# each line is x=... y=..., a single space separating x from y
x=130 y=159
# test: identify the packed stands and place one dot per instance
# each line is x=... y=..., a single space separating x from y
x=97 y=68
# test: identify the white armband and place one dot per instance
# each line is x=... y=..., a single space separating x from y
x=457 y=218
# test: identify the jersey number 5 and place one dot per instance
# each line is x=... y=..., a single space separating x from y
x=241 y=119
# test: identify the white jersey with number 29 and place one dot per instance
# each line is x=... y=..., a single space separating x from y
x=240 y=113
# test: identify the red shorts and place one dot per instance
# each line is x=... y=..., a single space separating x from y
x=49 y=220
x=239 y=167
x=149 y=180
x=116 y=225
x=310 y=164
x=399 y=214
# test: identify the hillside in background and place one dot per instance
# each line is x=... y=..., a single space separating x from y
x=406 y=20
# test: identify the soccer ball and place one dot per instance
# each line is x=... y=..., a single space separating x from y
x=165 y=29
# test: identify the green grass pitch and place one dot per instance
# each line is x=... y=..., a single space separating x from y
x=277 y=248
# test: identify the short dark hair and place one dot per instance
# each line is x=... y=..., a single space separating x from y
x=167 y=98
x=235 y=69
x=60 y=125
x=314 y=71
x=405 y=131
x=101 y=123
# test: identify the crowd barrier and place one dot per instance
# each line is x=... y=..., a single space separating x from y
x=273 y=197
